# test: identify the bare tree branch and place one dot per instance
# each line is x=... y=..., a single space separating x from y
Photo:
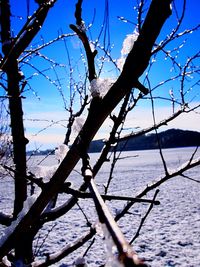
x=17 y=46
x=126 y=254
x=65 y=251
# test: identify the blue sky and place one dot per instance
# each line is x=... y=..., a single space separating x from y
x=43 y=100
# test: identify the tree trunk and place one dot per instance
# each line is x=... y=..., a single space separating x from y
x=19 y=140
x=23 y=249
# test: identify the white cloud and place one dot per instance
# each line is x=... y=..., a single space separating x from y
x=45 y=140
x=140 y=118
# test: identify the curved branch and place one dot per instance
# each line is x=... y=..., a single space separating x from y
x=26 y=35
x=38 y=48
x=79 y=29
x=51 y=259
x=153 y=127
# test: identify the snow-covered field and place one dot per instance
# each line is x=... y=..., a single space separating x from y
x=171 y=233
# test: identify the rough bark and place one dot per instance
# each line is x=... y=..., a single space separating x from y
x=24 y=250
x=12 y=49
x=16 y=113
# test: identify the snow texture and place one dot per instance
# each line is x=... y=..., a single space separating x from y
x=128 y=43
x=46 y=172
x=99 y=87
x=126 y=48
x=6 y=262
x=170 y=236
x=27 y=205
x=92 y=46
x=80 y=261
x=61 y=152
x=78 y=124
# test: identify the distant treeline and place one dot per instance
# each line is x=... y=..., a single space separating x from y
x=168 y=139
x=40 y=152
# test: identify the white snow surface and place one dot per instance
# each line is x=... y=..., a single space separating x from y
x=170 y=237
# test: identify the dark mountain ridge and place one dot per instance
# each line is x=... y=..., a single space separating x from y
x=169 y=139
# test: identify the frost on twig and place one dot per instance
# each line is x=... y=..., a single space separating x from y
x=99 y=87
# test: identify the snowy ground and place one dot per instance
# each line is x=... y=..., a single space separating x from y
x=171 y=234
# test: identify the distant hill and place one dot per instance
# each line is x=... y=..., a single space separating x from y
x=169 y=139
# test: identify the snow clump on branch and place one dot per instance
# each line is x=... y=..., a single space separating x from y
x=27 y=205
x=128 y=43
x=126 y=48
x=78 y=124
x=47 y=172
x=99 y=87
x=61 y=152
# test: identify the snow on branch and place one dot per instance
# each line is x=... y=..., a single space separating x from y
x=126 y=48
x=99 y=87
x=126 y=255
x=78 y=124
x=9 y=230
x=61 y=152
x=48 y=171
x=128 y=43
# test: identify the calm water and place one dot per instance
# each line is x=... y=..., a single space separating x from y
x=171 y=233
